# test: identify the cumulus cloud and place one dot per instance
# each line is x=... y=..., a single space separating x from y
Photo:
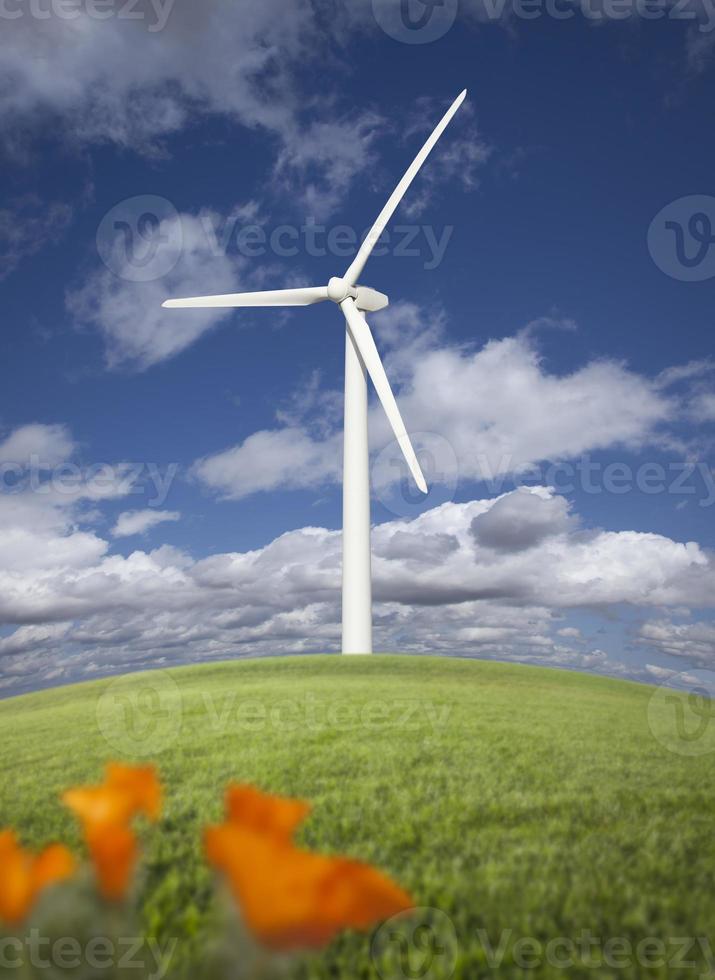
x=504 y=411
x=674 y=677
x=286 y=458
x=133 y=79
x=33 y=638
x=129 y=315
x=520 y=521
x=142 y=72
x=499 y=408
x=38 y=529
x=45 y=445
x=133 y=522
x=47 y=505
x=426 y=548
x=436 y=587
x=693 y=641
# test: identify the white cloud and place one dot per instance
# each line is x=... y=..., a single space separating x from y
x=272 y=460
x=134 y=81
x=29 y=553
x=499 y=408
x=520 y=521
x=45 y=507
x=436 y=588
x=455 y=160
x=568 y=569
x=335 y=150
x=33 y=638
x=504 y=411
x=122 y=80
x=137 y=80
x=694 y=381
x=47 y=445
x=693 y=641
x=133 y=522
x=129 y=315
x=702 y=407
x=673 y=678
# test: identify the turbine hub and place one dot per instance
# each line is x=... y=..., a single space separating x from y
x=339 y=289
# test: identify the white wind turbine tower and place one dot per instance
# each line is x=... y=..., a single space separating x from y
x=361 y=358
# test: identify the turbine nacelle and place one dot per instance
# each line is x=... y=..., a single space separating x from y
x=369 y=300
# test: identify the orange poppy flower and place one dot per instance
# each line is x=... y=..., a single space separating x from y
x=278 y=815
x=140 y=784
x=292 y=898
x=114 y=851
x=25 y=875
x=105 y=812
x=126 y=791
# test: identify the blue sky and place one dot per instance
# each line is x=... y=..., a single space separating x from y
x=549 y=342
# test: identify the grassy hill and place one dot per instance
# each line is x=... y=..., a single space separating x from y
x=524 y=803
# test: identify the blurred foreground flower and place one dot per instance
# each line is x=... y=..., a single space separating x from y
x=24 y=875
x=292 y=898
x=106 y=812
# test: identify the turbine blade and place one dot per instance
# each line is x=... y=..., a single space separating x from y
x=353 y=273
x=363 y=340
x=275 y=297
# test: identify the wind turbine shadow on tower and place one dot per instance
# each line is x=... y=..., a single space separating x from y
x=361 y=358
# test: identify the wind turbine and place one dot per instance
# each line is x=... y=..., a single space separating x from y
x=361 y=358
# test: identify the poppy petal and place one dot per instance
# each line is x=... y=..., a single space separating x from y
x=24 y=875
x=114 y=853
x=140 y=784
x=249 y=807
x=294 y=899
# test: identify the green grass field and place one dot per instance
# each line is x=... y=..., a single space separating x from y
x=524 y=803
